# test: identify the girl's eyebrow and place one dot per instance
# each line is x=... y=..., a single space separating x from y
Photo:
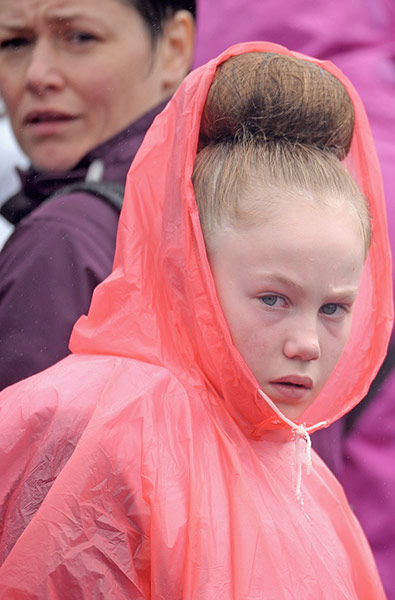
x=346 y=292
x=280 y=278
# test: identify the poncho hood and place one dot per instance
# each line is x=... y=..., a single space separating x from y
x=128 y=468
x=160 y=306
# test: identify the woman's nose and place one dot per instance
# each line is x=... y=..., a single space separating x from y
x=302 y=344
x=43 y=71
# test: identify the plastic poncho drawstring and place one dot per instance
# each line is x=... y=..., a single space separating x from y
x=301 y=432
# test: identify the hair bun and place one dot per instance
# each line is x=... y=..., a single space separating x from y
x=275 y=97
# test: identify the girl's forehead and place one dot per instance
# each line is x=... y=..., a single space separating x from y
x=265 y=203
x=287 y=225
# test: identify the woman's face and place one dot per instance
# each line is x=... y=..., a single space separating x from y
x=73 y=73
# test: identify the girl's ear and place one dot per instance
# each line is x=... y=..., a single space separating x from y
x=177 y=50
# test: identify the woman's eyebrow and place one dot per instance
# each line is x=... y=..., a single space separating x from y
x=67 y=13
x=68 y=18
x=14 y=26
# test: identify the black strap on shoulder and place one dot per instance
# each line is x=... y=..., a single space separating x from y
x=107 y=190
x=386 y=369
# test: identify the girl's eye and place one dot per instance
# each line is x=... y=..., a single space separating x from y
x=14 y=43
x=332 y=309
x=273 y=300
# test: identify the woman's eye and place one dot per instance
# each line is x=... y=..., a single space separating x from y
x=14 y=43
x=332 y=309
x=81 y=37
x=273 y=300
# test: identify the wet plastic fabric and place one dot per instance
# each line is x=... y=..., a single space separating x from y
x=359 y=37
x=147 y=464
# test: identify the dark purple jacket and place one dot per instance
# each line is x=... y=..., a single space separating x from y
x=60 y=250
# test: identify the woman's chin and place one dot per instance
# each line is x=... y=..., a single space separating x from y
x=53 y=156
x=54 y=165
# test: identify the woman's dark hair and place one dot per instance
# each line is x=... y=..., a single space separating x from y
x=156 y=12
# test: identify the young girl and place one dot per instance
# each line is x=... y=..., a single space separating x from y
x=169 y=456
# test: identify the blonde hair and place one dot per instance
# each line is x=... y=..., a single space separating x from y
x=278 y=124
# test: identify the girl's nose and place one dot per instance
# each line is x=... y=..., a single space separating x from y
x=303 y=345
x=43 y=73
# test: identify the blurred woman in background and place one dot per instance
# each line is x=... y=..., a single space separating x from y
x=82 y=81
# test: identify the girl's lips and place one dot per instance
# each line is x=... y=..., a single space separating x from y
x=289 y=391
x=292 y=387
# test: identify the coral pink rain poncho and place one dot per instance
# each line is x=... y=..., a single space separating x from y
x=147 y=464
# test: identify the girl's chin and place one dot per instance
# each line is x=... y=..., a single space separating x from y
x=291 y=408
x=291 y=401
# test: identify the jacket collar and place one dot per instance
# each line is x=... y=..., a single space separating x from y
x=117 y=154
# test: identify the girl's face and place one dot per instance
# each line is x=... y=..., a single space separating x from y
x=73 y=73
x=287 y=289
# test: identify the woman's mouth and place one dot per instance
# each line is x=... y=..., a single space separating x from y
x=47 y=121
